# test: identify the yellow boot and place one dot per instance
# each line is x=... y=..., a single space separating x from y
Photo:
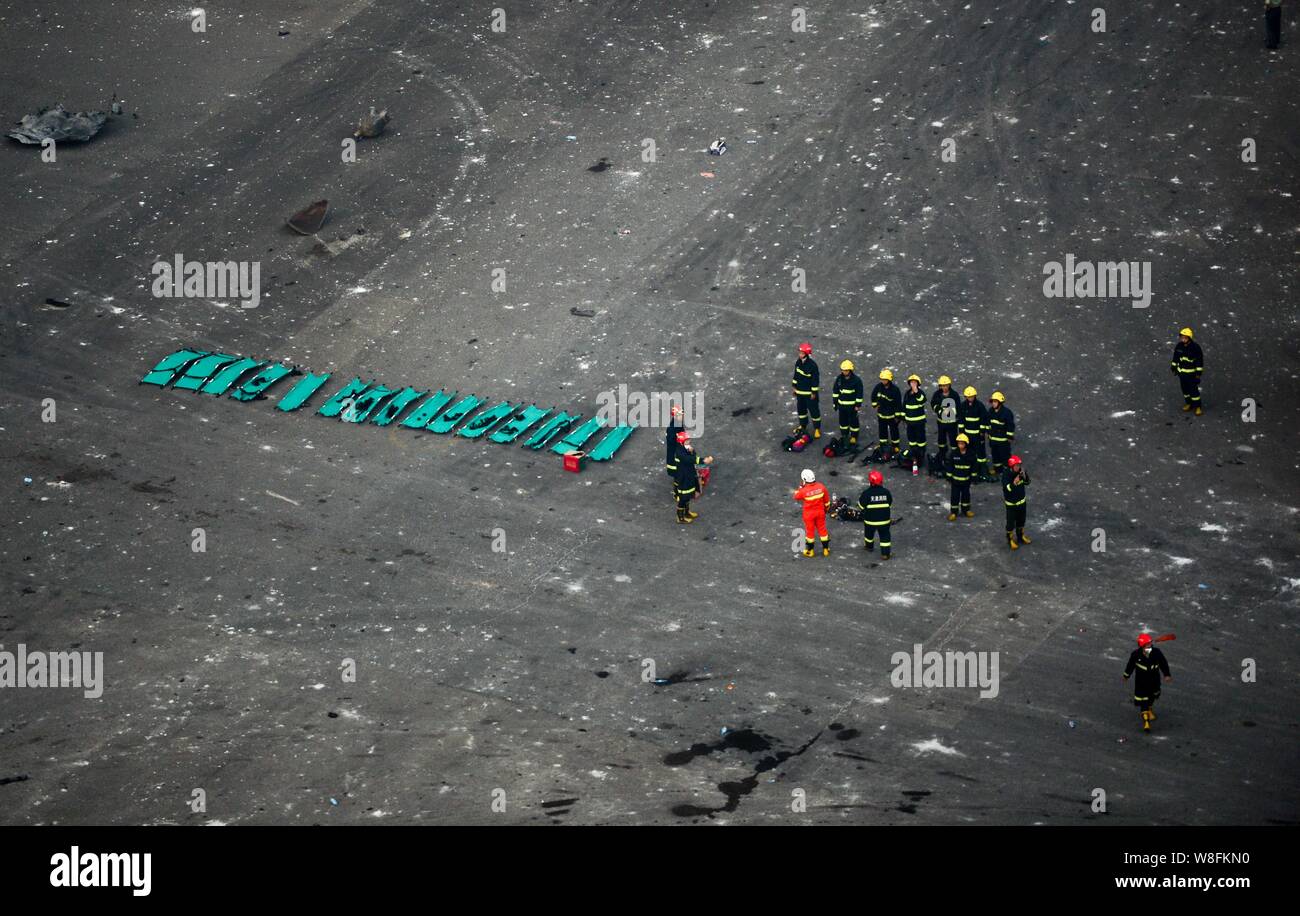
x=1024 y=538
x=952 y=516
x=1146 y=720
x=1187 y=408
x=1012 y=542
x=1198 y=410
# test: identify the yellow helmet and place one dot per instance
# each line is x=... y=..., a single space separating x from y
x=1185 y=332
x=997 y=396
x=847 y=364
x=962 y=437
x=944 y=380
x=914 y=378
x=886 y=375
x=970 y=391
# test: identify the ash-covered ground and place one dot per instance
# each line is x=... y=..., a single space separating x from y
x=517 y=676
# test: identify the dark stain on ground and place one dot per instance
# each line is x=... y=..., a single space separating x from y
x=915 y=797
x=599 y=166
x=680 y=677
x=853 y=756
x=735 y=792
x=744 y=739
x=958 y=776
x=847 y=734
x=21 y=777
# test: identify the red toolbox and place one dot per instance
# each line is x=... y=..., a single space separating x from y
x=574 y=461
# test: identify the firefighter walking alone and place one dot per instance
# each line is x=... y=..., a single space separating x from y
x=814 y=498
x=1014 y=481
x=807 y=381
x=1149 y=664
x=847 y=394
x=1188 y=363
x=876 y=504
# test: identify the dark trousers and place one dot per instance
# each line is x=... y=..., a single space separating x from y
x=1000 y=452
x=869 y=531
x=960 y=499
x=981 y=459
x=849 y=421
x=947 y=437
x=684 y=497
x=1191 y=385
x=916 y=442
x=809 y=406
x=1016 y=518
x=887 y=432
x=1272 y=26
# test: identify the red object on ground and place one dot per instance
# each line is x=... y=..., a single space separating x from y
x=573 y=461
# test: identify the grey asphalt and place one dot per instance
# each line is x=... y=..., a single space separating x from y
x=485 y=677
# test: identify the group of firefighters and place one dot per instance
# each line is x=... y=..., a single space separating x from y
x=963 y=425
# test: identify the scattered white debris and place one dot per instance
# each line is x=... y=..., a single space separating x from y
x=1117 y=414
x=935 y=746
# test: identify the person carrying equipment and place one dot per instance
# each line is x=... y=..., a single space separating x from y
x=961 y=466
x=1188 y=363
x=688 y=478
x=807 y=383
x=847 y=394
x=974 y=420
x=1002 y=431
x=815 y=499
x=1014 y=481
x=888 y=402
x=914 y=417
x=944 y=404
x=876 y=504
x=1149 y=663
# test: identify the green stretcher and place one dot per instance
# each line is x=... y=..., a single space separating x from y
x=222 y=381
x=201 y=370
x=422 y=415
x=612 y=442
x=395 y=405
x=574 y=440
x=548 y=430
x=486 y=420
x=308 y=385
x=365 y=403
x=454 y=414
x=256 y=386
x=510 y=430
x=345 y=396
x=171 y=366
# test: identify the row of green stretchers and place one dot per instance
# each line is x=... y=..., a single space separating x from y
x=442 y=411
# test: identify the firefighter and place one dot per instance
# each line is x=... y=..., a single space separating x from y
x=944 y=404
x=961 y=465
x=1272 y=23
x=1150 y=663
x=1014 y=481
x=807 y=383
x=670 y=441
x=1002 y=431
x=974 y=420
x=1188 y=364
x=876 y=503
x=914 y=417
x=815 y=499
x=847 y=394
x=687 y=478
x=887 y=401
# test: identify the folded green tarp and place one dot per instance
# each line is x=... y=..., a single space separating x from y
x=486 y=420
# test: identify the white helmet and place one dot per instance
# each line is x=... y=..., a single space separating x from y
x=807 y=476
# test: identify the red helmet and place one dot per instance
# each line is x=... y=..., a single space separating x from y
x=876 y=478
x=1013 y=461
x=1144 y=640
x=805 y=348
x=683 y=438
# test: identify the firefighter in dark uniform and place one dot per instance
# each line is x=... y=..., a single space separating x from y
x=974 y=420
x=807 y=382
x=1002 y=431
x=670 y=441
x=847 y=394
x=944 y=404
x=876 y=504
x=961 y=467
x=688 y=478
x=888 y=402
x=914 y=417
x=1149 y=663
x=1272 y=23
x=1188 y=364
x=1014 y=481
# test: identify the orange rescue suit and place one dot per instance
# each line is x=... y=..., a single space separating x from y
x=815 y=498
